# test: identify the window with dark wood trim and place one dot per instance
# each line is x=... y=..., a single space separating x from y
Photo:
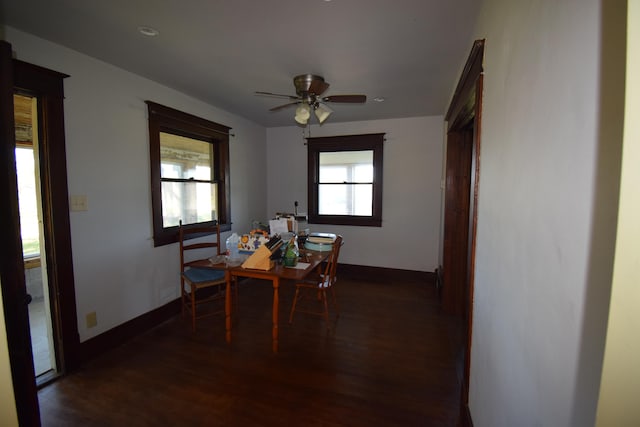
x=345 y=180
x=189 y=172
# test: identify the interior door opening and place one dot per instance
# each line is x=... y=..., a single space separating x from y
x=32 y=234
x=19 y=77
x=464 y=119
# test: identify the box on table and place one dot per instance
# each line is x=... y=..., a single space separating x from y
x=249 y=243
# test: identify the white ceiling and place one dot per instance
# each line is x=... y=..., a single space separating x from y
x=409 y=52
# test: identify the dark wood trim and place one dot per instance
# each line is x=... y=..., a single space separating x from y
x=456 y=220
x=194 y=125
x=315 y=146
x=383 y=274
x=464 y=128
x=463 y=103
x=120 y=334
x=465 y=417
x=14 y=292
x=166 y=119
x=47 y=86
x=473 y=226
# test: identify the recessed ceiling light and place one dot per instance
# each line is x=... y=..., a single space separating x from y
x=148 y=31
x=378 y=99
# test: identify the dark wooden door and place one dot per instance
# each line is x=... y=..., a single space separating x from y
x=14 y=291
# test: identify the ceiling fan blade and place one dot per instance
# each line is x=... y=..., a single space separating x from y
x=276 y=94
x=283 y=106
x=346 y=98
x=318 y=87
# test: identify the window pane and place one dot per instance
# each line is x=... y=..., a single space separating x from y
x=190 y=202
x=345 y=199
x=27 y=201
x=185 y=158
x=346 y=166
x=363 y=200
x=363 y=173
x=333 y=174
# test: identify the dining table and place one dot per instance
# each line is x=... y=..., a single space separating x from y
x=309 y=261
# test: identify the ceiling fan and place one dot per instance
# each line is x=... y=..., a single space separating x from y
x=309 y=90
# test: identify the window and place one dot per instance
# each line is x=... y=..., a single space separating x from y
x=345 y=180
x=189 y=172
x=28 y=201
x=25 y=110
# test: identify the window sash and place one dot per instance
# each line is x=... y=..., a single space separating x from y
x=188 y=201
x=329 y=154
x=204 y=195
x=187 y=170
x=184 y=157
x=354 y=199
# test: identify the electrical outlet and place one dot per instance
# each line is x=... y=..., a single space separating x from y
x=92 y=320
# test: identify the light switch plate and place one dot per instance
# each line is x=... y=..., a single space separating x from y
x=79 y=203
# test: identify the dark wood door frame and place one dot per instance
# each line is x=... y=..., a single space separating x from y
x=47 y=86
x=461 y=201
x=14 y=294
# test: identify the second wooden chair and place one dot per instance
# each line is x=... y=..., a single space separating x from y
x=317 y=287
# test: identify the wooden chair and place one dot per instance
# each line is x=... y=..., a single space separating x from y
x=316 y=288
x=194 y=279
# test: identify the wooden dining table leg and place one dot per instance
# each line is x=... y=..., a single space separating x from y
x=276 y=297
x=227 y=306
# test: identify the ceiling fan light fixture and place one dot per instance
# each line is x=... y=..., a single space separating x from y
x=303 y=112
x=309 y=90
x=322 y=112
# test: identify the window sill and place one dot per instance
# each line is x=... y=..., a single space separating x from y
x=32 y=262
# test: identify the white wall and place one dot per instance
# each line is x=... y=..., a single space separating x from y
x=8 y=412
x=618 y=405
x=408 y=238
x=118 y=273
x=548 y=196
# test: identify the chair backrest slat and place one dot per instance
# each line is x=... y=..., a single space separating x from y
x=199 y=245
x=186 y=233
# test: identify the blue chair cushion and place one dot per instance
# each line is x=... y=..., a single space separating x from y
x=201 y=275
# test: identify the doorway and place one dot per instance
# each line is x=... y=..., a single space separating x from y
x=460 y=213
x=41 y=322
x=18 y=77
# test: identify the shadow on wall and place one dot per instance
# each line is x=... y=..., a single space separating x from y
x=605 y=212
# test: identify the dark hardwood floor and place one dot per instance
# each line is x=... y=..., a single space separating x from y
x=391 y=360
